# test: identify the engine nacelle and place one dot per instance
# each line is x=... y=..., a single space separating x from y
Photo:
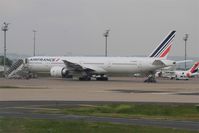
x=58 y=72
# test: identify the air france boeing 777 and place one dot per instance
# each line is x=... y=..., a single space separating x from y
x=85 y=68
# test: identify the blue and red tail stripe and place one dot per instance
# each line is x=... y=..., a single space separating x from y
x=164 y=47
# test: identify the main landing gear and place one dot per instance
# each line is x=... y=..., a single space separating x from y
x=85 y=78
x=98 y=78
x=151 y=79
x=101 y=77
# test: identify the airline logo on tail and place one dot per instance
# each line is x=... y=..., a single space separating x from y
x=193 y=69
x=164 y=47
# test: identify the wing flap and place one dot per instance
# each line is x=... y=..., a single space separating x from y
x=73 y=66
x=82 y=67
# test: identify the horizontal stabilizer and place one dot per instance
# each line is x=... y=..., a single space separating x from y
x=164 y=63
x=159 y=63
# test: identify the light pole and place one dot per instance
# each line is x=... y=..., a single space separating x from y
x=4 y=28
x=185 y=38
x=106 y=34
x=34 y=31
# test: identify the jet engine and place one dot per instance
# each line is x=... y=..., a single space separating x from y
x=58 y=71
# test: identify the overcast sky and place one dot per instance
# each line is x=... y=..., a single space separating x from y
x=76 y=27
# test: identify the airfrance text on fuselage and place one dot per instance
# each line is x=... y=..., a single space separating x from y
x=44 y=59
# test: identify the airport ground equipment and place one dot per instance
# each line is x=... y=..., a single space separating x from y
x=18 y=70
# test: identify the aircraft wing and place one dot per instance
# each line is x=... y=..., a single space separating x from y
x=96 y=69
x=73 y=66
x=195 y=74
x=183 y=61
x=83 y=67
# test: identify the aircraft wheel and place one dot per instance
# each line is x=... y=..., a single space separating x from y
x=151 y=79
x=85 y=78
x=102 y=79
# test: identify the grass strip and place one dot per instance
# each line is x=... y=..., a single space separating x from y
x=156 y=111
x=21 y=125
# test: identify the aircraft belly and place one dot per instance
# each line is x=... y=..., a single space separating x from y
x=123 y=69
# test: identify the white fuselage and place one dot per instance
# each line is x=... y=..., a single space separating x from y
x=182 y=75
x=105 y=65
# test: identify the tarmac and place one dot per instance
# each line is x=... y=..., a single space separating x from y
x=117 y=89
x=19 y=98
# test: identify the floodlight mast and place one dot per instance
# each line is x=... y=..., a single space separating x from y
x=106 y=34
x=34 y=38
x=185 y=38
x=4 y=29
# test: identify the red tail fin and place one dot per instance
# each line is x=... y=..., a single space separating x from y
x=194 y=68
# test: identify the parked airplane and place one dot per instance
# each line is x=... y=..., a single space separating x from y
x=99 y=68
x=168 y=72
x=185 y=75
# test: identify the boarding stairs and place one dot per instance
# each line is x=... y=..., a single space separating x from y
x=13 y=71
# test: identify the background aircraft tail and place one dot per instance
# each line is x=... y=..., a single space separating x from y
x=194 y=68
x=164 y=47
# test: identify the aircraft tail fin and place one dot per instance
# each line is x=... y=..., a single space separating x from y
x=162 y=50
x=194 y=68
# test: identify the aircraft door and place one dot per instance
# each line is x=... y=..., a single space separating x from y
x=107 y=65
x=26 y=61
